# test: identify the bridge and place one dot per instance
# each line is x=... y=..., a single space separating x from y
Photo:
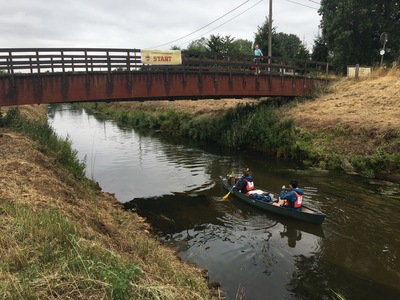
x=60 y=75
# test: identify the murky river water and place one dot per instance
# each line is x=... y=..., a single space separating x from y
x=174 y=184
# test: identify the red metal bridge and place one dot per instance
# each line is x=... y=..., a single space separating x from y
x=49 y=75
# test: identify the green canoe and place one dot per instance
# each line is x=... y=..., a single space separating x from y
x=305 y=213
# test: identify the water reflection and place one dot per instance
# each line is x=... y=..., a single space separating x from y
x=292 y=234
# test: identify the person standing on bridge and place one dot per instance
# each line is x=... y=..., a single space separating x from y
x=257 y=57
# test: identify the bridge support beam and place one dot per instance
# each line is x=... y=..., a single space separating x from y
x=141 y=86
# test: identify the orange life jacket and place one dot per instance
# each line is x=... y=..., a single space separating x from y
x=249 y=185
x=299 y=200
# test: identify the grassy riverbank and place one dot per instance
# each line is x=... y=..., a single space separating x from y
x=351 y=126
x=62 y=238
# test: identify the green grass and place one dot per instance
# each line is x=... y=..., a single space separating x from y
x=47 y=256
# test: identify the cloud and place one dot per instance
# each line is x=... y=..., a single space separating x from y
x=143 y=24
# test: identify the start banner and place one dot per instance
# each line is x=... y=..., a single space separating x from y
x=161 y=57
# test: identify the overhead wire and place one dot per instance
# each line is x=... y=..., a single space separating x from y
x=305 y=5
x=222 y=23
x=224 y=15
x=229 y=12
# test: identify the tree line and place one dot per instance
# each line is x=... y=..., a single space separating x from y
x=352 y=32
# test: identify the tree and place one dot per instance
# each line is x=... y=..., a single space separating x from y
x=261 y=37
x=320 y=50
x=199 y=45
x=288 y=45
x=242 y=46
x=352 y=29
x=283 y=44
x=217 y=43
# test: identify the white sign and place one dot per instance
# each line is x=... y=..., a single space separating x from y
x=362 y=71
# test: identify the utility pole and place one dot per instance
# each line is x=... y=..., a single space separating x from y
x=270 y=33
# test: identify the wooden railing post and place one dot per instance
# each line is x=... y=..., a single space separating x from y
x=10 y=68
x=128 y=67
x=305 y=74
x=38 y=62
x=86 y=62
x=108 y=62
x=108 y=67
x=327 y=70
x=63 y=62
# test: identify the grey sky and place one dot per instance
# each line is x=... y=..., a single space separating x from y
x=145 y=24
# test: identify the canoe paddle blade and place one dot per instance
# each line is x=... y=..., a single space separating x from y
x=226 y=196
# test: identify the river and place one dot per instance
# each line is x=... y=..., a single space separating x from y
x=174 y=183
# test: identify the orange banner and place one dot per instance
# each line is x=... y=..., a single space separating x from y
x=161 y=57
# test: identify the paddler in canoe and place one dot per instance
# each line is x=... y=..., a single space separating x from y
x=290 y=199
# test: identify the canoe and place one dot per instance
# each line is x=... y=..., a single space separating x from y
x=305 y=213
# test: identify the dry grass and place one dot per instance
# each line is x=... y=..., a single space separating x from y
x=367 y=110
x=59 y=237
x=369 y=103
x=209 y=107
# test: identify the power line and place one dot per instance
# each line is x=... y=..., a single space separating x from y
x=302 y=4
x=314 y=1
x=203 y=26
x=223 y=23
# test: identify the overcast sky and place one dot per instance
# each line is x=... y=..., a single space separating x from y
x=145 y=24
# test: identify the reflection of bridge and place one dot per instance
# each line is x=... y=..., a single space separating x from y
x=35 y=76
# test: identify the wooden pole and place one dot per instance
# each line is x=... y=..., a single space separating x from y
x=270 y=34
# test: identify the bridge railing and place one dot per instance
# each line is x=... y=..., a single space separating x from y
x=14 y=61
x=25 y=60
x=242 y=63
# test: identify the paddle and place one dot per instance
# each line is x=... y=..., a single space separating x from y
x=232 y=175
x=227 y=195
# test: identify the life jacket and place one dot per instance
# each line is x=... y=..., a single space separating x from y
x=249 y=185
x=299 y=200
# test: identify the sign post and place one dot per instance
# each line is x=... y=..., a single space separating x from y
x=384 y=39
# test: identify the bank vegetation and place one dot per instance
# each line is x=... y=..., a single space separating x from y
x=62 y=238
